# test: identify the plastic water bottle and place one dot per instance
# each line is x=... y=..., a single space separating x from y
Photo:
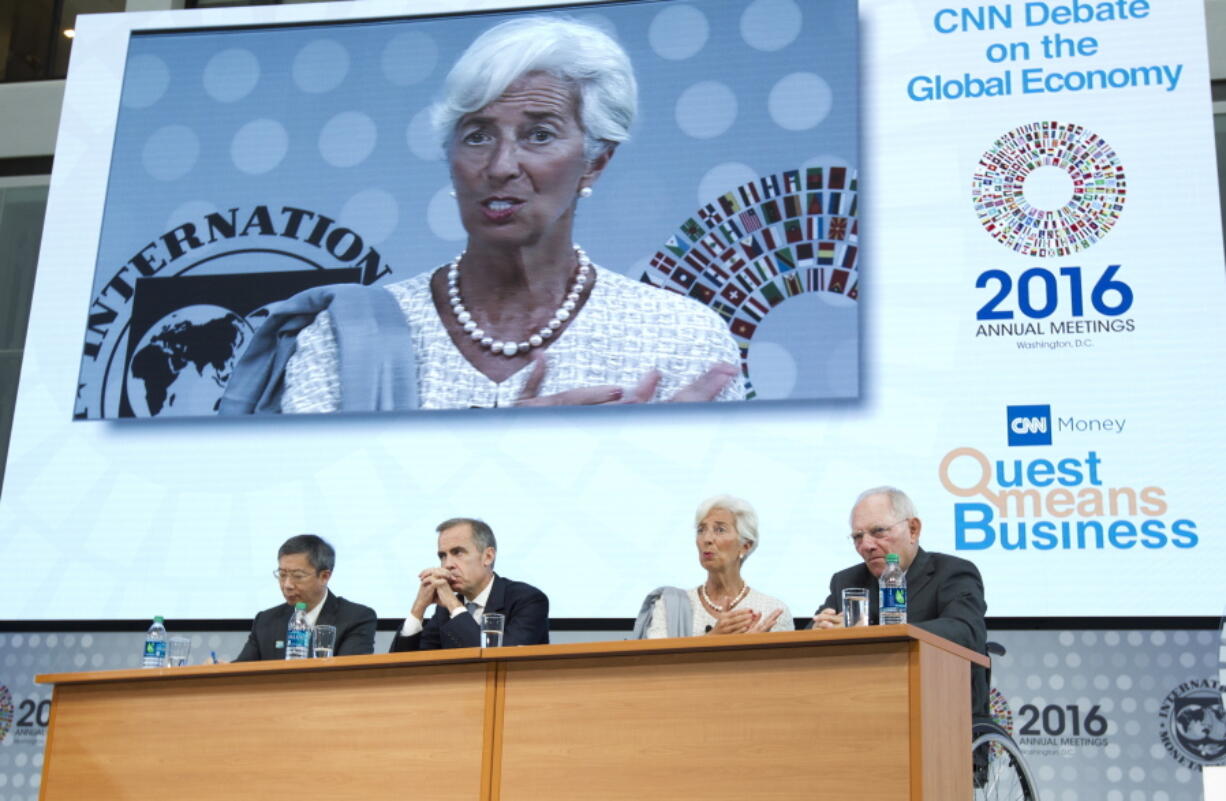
x=155 y=645
x=893 y=583
x=298 y=637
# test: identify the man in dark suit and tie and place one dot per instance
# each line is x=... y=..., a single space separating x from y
x=463 y=588
x=304 y=565
x=944 y=593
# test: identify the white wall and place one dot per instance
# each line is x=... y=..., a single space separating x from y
x=1215 y=26
x=29 y=118
x=30 y=111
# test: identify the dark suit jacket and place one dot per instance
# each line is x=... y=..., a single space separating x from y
x=944 y=596
x=527 y=621
x=355 y=629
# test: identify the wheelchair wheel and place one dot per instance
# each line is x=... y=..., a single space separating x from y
x=1001 y=773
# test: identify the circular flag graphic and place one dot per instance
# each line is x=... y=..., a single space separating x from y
x=6 y=712
x=1001 y=712
x=1048 y=189
x=784 y=246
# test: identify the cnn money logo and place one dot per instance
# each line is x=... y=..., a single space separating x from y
x=1029 y=425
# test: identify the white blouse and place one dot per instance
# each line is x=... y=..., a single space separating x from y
x=758 y=602
x=625 y=329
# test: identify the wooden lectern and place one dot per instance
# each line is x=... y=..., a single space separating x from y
x=870 y=713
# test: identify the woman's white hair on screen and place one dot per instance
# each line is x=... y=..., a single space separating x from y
x=571 y=51
x=741 y=510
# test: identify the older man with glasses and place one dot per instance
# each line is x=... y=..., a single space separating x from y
x=944 y=593
x=304 y=565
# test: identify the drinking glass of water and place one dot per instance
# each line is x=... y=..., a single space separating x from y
x=177 y=651
x=491 y=630
x=855 y=606
x=323 y=641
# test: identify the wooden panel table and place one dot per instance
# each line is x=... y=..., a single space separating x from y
x=876 y=713
x=359 y=727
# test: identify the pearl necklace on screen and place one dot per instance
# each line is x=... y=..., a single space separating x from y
x=478 y=335
x=740 y=596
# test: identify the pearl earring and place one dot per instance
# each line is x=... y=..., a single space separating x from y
x=585 y=191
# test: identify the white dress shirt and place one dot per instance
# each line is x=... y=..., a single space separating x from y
x=313 y=614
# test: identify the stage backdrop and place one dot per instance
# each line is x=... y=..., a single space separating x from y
x=1039 y=346
x=1100 y=715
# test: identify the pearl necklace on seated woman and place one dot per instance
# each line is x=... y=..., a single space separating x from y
x=716 y=608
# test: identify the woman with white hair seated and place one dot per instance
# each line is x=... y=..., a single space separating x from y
x=726 y=533
x=533 y=112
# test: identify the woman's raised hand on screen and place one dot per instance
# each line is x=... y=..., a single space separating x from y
x=704 y=388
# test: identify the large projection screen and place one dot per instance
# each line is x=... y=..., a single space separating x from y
x=1034 y=356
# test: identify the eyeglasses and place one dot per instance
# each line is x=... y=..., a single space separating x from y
x=295 y=576
x=876 y=532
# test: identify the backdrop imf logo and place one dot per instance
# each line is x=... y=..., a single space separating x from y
x=1192 y=724
x=1028 y=425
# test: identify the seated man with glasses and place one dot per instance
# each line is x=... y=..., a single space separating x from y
x=944 y=593
x=305 y=564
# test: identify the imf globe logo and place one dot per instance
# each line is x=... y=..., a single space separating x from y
x=162 y=338
x=178 y=349
x=1192 y=724
x=182 y=363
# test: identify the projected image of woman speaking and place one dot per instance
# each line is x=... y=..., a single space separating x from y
x=532 y=115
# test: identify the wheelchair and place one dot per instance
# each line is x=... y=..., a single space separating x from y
x=1000 y=770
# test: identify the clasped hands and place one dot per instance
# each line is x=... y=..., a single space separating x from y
x=828 y=619
x=705 y=388
x=744 y=621
x=434 y=588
